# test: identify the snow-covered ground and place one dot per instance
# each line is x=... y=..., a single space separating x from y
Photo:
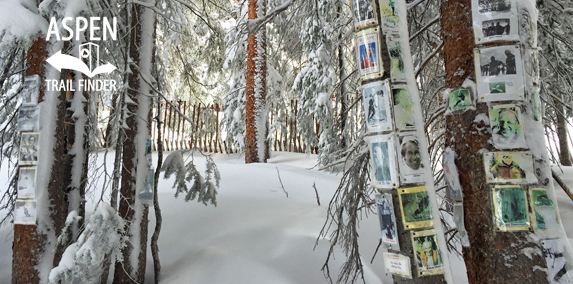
x=256 y=234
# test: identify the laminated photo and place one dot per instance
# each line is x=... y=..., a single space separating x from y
x=409 y=159
x=554 y=251
x=29 y=146
x=376 y=101
x=368 y=51
x=397 y=71
x=27 y=183
x=383 y=161
x=544 y=212
x=510 y=203
x=397 y=264
x=509 y=167
x=427 y=253
x=499 y=72
x=451 y=174
x=25 y=212
x=364 y=13
x=459 y=220
x=387 y=221
x=415 y=207
x=29 y=119
x=403 y=108
x=30 y=91
x=536 y=104
x=389 y=15
x=495 y=20
x=146 y=193
x=506 y=126
x=493 y=6
x=460 y=99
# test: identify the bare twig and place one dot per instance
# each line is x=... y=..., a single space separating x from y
x=562 y=184
x=376 y=251
x=279 y=174
x=316 y=191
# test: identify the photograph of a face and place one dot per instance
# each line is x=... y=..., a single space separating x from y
x=509 y=167
x=397 y=71
x=510 y=204
x=543 y=208
x=499 y=72
x=494 y=6
x=27 y=183
x=29 y=119
x=389 y=14
x=376 y=101
x=507 y=130
x=410 y=160
x=415 y=207
x=25 y=212
x=397 y=264
x=29 y=146
x=383 y=161
x=31 y=90
x=460 y=99
x=403 y=108
x=368 y=54
x=554 y=253
x=364 y=14
x=427 y=253
x=387 y=221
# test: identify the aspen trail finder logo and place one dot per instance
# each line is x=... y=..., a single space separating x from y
x=88 y=61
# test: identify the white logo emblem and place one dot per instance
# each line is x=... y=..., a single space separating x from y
x=63 y=61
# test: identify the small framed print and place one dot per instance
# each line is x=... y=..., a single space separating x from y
x=383 y=161
x=29 y=119
x=427 y=253
x=506 y=126
x=390 y=15
x=499 y=73
x=495 y=20
x=460 y=99
x=415 y=207
x=403 y=108
x=146 y=193
x=409 y=158
x=376 y=101
x=31 y=91
x=29 y=146
x=368 y=53
x=25 y=212
x=364 y=13
x=509 y=167
x=554 y=252
x=397 y=264
x=397 y=70
x=27 y=183
x=544 y=212
x=510 y=203
x=387 y=221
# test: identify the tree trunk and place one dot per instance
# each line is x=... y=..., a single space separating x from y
x=564 y=153
x=256 y=113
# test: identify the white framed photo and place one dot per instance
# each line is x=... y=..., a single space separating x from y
x=495 y=20
x=397 y=264
x=383 y=161
x=377 y=108
x=364 y=13
x=29 y=147
x=409 y=158
x=29 y=119
x=27 y=183
x=499 y=73
x=387 y=220
x=403 y=108
x=31 y=91
x=25 y=212
x=368 y=54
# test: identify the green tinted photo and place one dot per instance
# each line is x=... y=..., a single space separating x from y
x=416 y=206
x=460 y=99
x=511 y=208
x=497 y=88
x=544 y=209
x=397 y=63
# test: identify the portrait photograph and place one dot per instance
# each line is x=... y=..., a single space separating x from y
x=554 y=254
x=376 y=102
x=403 y=108
x=460 y=99
x=415 y=207
x=509 y=167
x=364 y=13
x=499 y=72
x=30 y=91
x=506 y=126
x=543 y=209
x=510 y=204
x=397 y=264
x=427 y=252
x=383 y=161
x=29 y=146
x=25 y=212
x=387 y=221
x=368 y=50
x=27 y=183
x=390 y=16
x=397 y=70
x=29 y=119
x=409 y=158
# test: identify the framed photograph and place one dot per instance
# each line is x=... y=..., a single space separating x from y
x=387 y=221
x=493 y=6
x=376 y=101
x=510 y=204
x=397 y=71
x=397 y=264
x=415 y=207
x=459 y=220
x=427 y=252
x=27 y=183
x=451 y=174
x=460 y=99
x=31 y=90
x=554 y=253
x=543 y=209
x=488 y=28
x=368 y=53
x=29 y=146
x=29 y=119
x=390 y=15
x=403 y=108
x=509 y=167
x=383 y=161
x=506 y=127
x=364 y=13
x=25 y=212
x=499 y=73
x=409 y=158
x=146 y=193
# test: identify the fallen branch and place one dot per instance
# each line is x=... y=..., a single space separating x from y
x=562 y=184
x=376 y=252
x=316 y=191
x=279 y=174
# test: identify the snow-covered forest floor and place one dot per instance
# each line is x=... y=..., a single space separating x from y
x=256 y=235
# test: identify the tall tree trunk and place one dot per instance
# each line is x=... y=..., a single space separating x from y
x=256 y=111
x=564 y=153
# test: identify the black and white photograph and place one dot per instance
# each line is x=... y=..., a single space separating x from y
x=383 y=161
x=29 y=119
x=409 y=159
x=499 y=72
x=364 y=13
x=146 y=193
x=27 y=183
x=387 y=221
x=30 y=91
x=427 y=253
x=557 y=266
x=25 y=212
x=494 y=6
x=403 y=108
x=368 y=54
x=376 y=102
x=506 y=126
x=498 y=28
x=29 y=146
